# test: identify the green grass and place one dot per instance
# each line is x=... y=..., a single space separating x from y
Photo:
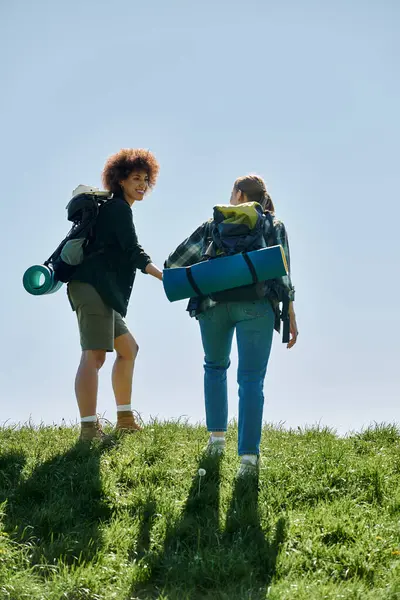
x=133 y=521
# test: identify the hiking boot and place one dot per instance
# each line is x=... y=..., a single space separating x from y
x=126 y=422
x=92 y=431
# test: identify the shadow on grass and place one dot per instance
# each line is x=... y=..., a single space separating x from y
x=142 y=546
x=198 y=560
x=11 y=466
x=58 y=509
x=251 y=554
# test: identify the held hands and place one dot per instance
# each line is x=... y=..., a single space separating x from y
x=294 y=332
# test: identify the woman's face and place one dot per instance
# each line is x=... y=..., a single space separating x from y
x=236 y=197
x=136 y=185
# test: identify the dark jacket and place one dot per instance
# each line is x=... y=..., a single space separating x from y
x=114 y=255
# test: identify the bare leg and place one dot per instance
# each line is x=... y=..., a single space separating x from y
x=122 y=375
x=86 y=382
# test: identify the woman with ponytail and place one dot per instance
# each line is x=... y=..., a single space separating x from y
x=254 y=322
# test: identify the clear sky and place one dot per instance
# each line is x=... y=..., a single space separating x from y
x=306 y=94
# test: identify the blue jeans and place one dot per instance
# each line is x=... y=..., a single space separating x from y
x=254 y=324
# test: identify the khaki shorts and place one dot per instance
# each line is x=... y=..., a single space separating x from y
x=98 y=324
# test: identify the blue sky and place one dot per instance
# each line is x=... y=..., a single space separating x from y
x=304 y=94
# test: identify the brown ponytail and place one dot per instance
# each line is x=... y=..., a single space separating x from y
x=255 y=189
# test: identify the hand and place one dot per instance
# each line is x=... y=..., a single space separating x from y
x=155 y=271
x=294 y=332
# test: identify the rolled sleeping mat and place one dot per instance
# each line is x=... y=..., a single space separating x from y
x=225 y=273
x=39 y=280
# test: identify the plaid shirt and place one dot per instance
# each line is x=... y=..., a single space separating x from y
x=192 y=250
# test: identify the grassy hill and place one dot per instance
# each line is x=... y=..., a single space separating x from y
x=134 y=521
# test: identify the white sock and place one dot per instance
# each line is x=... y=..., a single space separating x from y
x=124 y=408
x=217 y=438
x=251 y=458
x=91 y=419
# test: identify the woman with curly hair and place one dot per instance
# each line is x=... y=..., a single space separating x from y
x=252 y=320
x=101 y=286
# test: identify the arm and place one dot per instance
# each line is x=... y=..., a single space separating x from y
x=190 y=251
x=154 y=271
x=282 y=239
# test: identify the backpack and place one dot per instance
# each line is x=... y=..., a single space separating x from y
x=241 y=229
x=82 y=211
x=237 y=229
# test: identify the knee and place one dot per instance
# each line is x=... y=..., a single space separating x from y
x=217 y=365
x=95 y=357
x=133 y=351
x=254 y=378
x=129 y=350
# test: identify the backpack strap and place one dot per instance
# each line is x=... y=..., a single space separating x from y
x=270 y=220
x=251 y=267
x=192 y=282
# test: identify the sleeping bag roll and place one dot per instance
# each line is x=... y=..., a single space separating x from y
x=39 y=280
x=224 y=273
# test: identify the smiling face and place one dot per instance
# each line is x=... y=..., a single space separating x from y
x=135 y=186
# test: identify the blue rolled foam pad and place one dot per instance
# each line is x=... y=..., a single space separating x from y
x=224 y=273
x=39 y=280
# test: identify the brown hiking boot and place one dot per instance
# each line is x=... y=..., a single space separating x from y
x=126 y=422
x=92 y=431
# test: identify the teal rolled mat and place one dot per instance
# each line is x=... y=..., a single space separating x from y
x=39 y=280
x=225 y=273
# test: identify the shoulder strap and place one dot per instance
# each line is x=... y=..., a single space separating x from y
x=270 y=219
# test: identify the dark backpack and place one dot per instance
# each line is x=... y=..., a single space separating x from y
x=237 y=229
x=231 y=234
x=82 y=211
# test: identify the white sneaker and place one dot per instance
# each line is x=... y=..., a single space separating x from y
x=248 y=467
x=215 y=446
